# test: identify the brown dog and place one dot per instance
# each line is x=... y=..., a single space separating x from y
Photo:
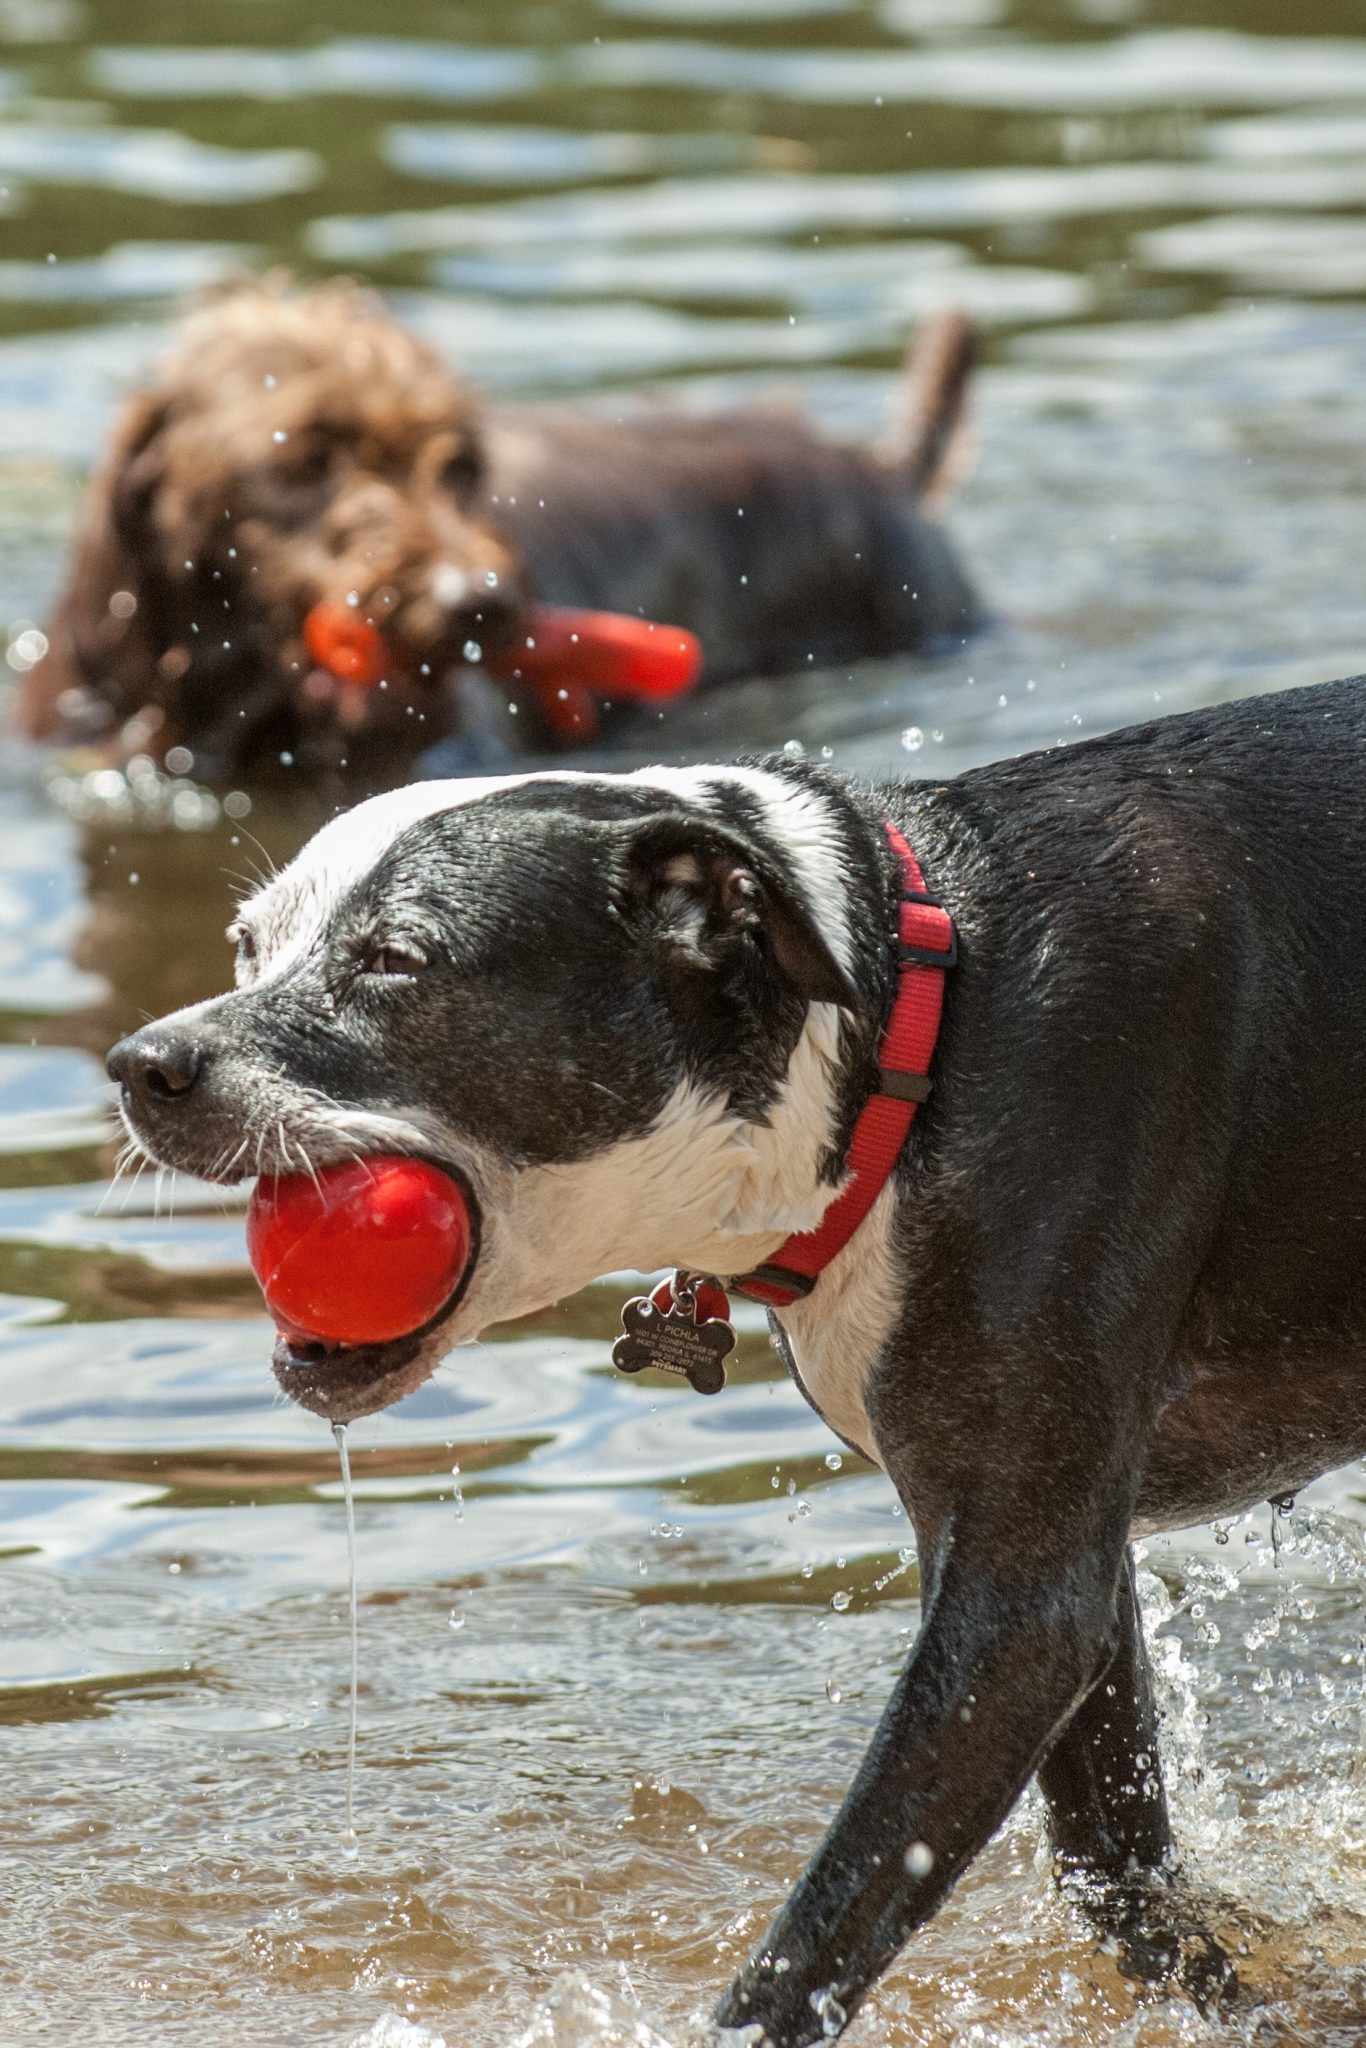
x=302 y=450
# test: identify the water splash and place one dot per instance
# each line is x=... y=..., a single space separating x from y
x=1265 y=1751
x=580 y=2014
x=575 y=2013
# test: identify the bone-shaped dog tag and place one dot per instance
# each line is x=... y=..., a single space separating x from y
x=677 y=1338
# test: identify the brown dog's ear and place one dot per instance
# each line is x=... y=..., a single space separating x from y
x=136 y=463
x=705 y=893
x=94 y=644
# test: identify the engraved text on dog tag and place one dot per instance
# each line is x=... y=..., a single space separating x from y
x=675 y=1337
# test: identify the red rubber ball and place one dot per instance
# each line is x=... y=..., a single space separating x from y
x=368 y=1251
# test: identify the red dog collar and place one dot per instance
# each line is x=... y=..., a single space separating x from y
x=928 y=948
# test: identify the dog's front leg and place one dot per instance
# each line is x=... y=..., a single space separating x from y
x=1021 y=1530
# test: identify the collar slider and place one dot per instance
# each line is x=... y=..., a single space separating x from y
x=903 y=1087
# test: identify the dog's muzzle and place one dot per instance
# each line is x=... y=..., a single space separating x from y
x=162 y=1072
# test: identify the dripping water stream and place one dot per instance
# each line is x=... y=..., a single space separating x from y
x=349 y=1835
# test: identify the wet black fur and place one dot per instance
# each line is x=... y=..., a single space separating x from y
x=1131 y=1231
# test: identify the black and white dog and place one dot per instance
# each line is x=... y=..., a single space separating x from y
x=1116 y=1282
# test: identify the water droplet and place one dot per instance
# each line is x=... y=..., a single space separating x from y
x=491 y=579
x=833 y=1461
x=832 y=2014
x=793 y=749
x=832 y=1691
x=912 y=739
x=279 y=435
x=920 y=1859
x=472 y=651
x=457 y=1617
x=839 y=1601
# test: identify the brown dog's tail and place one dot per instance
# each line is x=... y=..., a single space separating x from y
x=929 y=440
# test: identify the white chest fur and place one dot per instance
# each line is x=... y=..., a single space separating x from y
x=837 y=1333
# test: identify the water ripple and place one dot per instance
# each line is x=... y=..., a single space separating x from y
x=130 y=270
x=373 y=67
x=153 y=163
x=772 y=205
x=1158 y=69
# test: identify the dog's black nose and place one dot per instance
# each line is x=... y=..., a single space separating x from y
x=156 y=1062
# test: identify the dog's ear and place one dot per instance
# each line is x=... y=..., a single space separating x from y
x=136 y=464
x=707 y=894
x=100 y=636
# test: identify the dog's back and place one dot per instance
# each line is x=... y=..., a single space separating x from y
x=779 y=547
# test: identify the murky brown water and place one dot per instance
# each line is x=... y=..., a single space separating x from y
x=608 y=1696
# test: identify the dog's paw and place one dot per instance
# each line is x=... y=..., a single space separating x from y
x=1157 y=1934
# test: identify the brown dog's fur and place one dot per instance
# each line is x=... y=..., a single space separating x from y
x=302 y=448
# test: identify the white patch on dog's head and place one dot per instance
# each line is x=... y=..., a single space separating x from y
x=290 y=912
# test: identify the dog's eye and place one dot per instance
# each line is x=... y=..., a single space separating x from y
x=307 y=461
x=394 y=961
x=461 y=473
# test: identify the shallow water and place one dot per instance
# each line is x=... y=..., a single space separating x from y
x=611 y=1687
